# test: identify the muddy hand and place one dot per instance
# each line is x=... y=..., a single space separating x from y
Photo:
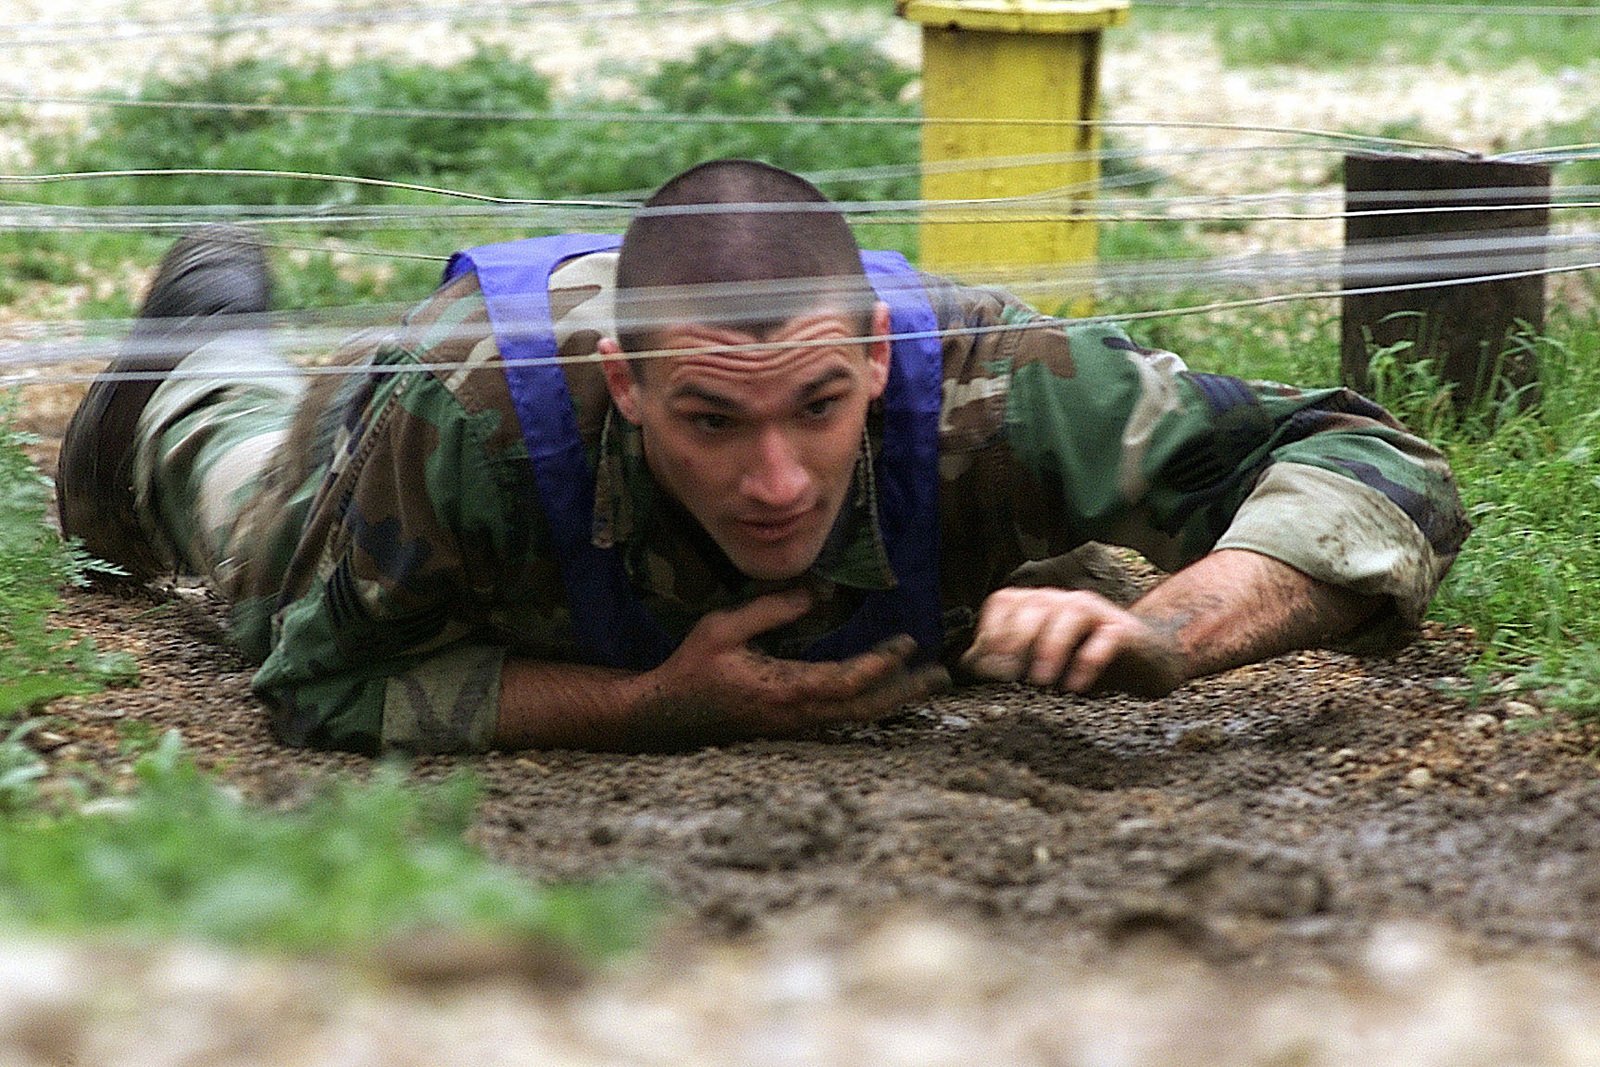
x=716 y=685
x=1073 y=640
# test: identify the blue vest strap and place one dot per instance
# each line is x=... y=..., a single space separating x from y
x=610 y=625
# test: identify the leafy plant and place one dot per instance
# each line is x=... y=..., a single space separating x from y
x=794 y=73
x=288 y=118
x=20 y=769
x=383 y=142
x=38 y=661
x=358 y=864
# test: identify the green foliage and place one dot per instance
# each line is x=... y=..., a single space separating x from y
x=358 y=864
x=1584 y=130
x=383 y=146
x=1166 y=239
x=797 y=73
x=1530 y=573
x=20 y=771
x=38 y=661
x=793 y=73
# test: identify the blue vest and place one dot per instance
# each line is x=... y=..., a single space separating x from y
x=612 y=626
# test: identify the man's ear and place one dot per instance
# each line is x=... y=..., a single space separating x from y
x=621 y=382
x=878 y=348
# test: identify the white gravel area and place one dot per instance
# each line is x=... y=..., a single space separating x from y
x=906 y=991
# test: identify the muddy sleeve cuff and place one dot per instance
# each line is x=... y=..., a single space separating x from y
x=1347 y=534
x=447 y=703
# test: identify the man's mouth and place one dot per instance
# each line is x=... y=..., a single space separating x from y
x=771 y=530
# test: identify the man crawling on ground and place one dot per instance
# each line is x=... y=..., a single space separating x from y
x=726 y=477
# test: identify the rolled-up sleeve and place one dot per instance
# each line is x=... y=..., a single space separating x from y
x=1131 y=447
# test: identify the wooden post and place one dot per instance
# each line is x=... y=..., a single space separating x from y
x=1431 y=227
x=1004 y=60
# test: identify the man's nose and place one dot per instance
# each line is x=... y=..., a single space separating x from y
x=775 y=476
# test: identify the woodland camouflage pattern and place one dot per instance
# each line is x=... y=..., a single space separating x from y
x=381 y=539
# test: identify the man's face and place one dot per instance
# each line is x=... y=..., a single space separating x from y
x=758 y=445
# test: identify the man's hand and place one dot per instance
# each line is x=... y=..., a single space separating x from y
x=1226 y=609
x=715 y=686
x=1074 y=640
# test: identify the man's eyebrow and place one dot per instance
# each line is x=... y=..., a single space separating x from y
x=818 y=384
x=704 y=396
x=823 y=380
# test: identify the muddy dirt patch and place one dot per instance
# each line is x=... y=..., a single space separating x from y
x=1273 y=817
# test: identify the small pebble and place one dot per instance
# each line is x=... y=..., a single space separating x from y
x=1520 y=709
x=1419 y=778
x=1481 y=723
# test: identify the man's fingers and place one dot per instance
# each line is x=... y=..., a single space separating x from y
x=1019 y=627
x=1071 y=638
x=898 y=690
x=1094 y=655
x=1059 y=644
x=847 y=679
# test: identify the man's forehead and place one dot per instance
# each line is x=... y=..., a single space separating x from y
x=807 y=353
x=583 y=300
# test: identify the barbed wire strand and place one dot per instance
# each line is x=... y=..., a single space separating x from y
x=45 y=218
x=1520 y=198
x=1073 y=196
x=101 y=350
x=716 y=118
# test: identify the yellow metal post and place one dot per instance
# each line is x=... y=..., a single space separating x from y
x=1007 y=86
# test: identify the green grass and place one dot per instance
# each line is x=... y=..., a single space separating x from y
x=1584 y=130
x=1528 y=579
x=1529 y=575
x=1450 y=33
x=359 y=864
x=38 y=661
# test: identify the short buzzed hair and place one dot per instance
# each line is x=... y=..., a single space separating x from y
x=692 y=255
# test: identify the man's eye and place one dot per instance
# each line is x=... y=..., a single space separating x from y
x=821 y=409
x=710 y=422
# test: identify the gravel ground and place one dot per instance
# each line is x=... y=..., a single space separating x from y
x=1319 y=860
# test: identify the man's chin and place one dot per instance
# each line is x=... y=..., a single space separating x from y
x=772 y=563
x=763 y=571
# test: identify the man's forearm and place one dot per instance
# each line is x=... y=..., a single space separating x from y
x=567 y=705
x=1235 y=607
x=570 y=705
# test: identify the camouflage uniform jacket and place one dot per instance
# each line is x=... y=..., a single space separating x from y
x=410 y=555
